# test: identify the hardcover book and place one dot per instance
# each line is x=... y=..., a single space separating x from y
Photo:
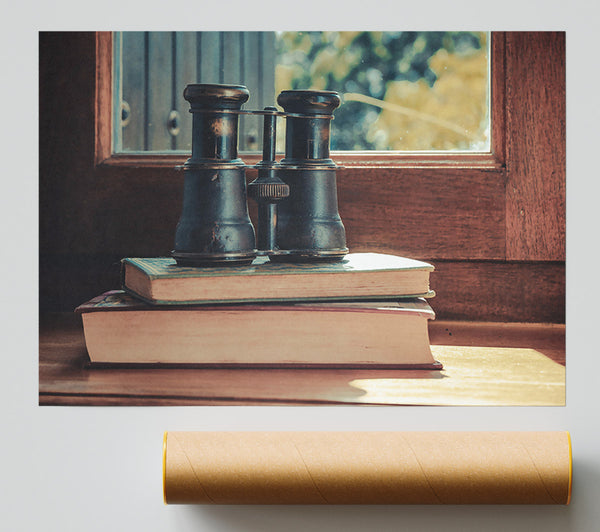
x=119 y=329
x=367 y=276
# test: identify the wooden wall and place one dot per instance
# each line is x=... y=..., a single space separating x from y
x=495 y=232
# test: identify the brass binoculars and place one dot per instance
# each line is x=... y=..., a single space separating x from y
x=298 y=217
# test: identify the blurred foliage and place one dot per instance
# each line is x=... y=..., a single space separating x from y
x=400 y=90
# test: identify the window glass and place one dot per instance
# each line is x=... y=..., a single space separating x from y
x=406 y=91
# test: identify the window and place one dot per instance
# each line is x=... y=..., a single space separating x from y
x=409 y=91
x=476 y=206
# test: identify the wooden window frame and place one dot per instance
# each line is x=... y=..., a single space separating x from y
x=494 y=159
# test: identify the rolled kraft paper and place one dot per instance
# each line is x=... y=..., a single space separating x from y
x=367 y=467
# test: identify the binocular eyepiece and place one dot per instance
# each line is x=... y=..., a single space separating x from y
x=298 y=217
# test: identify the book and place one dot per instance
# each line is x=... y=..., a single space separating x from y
x=120 y=329
x=358 y=276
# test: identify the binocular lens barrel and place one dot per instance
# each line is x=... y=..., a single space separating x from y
x=298 y=211
x=214 y=227
x=309 y=226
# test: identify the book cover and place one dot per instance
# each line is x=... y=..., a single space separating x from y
x=120 y=329
x=358 y=276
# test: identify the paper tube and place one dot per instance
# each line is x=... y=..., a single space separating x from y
x=367 y=467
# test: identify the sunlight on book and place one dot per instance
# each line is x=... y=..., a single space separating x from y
x=475 y=376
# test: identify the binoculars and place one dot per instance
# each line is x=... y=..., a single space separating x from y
x=298 y=217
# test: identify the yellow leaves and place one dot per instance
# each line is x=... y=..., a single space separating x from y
x=448 y=116
x=294 y=40
x=284 y=75
x=335 y=58
x=321 y=66
x=344 y=63
x=378 y=47
x=337 y=61
x=345 y=38
x=419 y=44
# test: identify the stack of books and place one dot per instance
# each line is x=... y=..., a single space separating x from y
x=368 y=310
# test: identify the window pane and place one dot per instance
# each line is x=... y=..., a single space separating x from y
x=407 y=91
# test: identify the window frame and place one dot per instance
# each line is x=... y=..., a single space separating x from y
x=493 y=225
x=493 y=159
